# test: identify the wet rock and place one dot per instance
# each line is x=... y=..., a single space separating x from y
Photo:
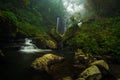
x=80 y=79
x=51 y=44
x=43 y=63
x=1 y=54
x=54 y=65
x=40 y=42
x=66 y=78
x=45 y=42
x=91 y=73
x=60 y=70
x=81 y=57
x=118 y=79
x=55 y=35
x=106 y=74
x=101 y=63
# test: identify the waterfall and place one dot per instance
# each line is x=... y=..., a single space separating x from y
x=29 y=47
x=57 y=27
x=61 y=25
x=65 y=25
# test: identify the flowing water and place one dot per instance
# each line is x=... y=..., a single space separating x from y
x=61 y=25
x=29 y=47
x=15 y=65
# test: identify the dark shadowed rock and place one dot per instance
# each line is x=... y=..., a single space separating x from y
x=1 y=54
x=66 y=78
x=43 y=42
x=81 y=58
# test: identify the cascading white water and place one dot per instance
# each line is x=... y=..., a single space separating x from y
x=57 y=26
x=61 y=25
x=28 y=41
x=29 y=47
x=65 y=25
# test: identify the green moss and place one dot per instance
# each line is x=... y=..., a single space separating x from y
x=99 y=37
x=9 y=16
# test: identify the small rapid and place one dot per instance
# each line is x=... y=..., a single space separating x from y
x=29 y=47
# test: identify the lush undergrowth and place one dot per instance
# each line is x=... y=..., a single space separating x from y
x=32 y=17
x=100 y=37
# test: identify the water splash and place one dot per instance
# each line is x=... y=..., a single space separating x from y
x=29 y=47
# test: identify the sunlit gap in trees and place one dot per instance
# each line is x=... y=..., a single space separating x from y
x=75 y=8
x=72 y=6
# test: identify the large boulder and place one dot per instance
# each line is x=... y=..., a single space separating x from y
x=54 y=65
x=101 y=63
x=91 y=73
x=44 y=63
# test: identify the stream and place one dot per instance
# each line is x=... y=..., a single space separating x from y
x=16 y=62
x=15 y=65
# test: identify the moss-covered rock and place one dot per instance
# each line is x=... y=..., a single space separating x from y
x=51 y=44
x=43 y=63
x=45 y=42
x=40 y=42
x=101 y=63
x=91 y=73
x=54 y=65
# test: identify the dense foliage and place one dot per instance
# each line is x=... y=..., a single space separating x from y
x=33 y=16
x=106 y=8
x=100 y=37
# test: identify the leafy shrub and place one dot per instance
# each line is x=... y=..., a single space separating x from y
x=9 y=16
x=30 y=29
x=99 y=37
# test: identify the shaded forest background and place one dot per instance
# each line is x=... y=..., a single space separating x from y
x=99 y=33
x=32 y=16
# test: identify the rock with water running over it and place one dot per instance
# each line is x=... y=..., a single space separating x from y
x=91 y=73
x=43 y=63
